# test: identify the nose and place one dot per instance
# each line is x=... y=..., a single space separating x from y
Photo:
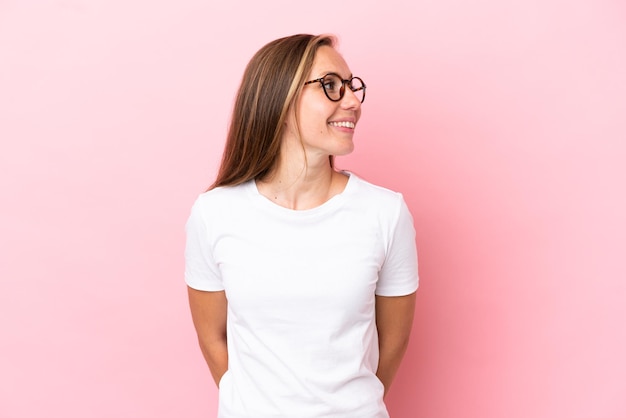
x=349 y=99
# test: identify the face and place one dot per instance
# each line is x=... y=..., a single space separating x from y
x=327 y=127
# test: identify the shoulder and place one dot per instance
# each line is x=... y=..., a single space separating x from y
x=221 y=199
x=374 y=194
x=223 y=194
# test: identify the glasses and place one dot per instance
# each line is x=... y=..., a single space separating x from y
x=335 y=87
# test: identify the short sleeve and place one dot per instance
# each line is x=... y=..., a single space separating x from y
x=201 y=271
x=399 y=276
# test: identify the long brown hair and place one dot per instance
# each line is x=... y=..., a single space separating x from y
x=271 y=85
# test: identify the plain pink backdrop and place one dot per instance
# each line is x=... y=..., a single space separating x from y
x=503 y=123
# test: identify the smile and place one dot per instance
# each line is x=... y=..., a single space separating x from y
x=342 y=124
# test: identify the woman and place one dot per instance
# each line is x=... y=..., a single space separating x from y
x=301 y=278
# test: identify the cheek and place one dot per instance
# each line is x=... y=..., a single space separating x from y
x=315 y=121
x=314 y=114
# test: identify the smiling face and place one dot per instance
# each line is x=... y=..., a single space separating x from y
x=326 y=127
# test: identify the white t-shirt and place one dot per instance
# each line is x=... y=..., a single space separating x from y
x=301 y=330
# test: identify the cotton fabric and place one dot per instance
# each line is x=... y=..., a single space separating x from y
x=301 y=286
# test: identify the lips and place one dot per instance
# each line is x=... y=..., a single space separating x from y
x=342 y=124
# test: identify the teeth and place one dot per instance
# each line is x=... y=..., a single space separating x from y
x=343 y=124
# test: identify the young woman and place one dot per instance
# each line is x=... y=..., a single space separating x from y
x=301 y=278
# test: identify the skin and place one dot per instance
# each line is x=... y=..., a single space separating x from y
x=208 y=312
x=394 y=319
x=304 y=179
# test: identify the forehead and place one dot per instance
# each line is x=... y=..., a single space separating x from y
x=328 y=60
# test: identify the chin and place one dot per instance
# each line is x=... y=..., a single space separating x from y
x=344 y=151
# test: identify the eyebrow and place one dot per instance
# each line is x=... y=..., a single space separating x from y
x=325 y=73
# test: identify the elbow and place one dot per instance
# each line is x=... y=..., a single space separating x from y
x=394 y=347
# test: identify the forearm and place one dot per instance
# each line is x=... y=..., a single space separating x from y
x=391 y=353
x=216 y=355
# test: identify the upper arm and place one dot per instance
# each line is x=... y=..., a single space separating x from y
x=394 y=317
x=398 y=274
x=208 y=312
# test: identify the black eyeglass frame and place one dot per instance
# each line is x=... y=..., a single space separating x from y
x=342 y=89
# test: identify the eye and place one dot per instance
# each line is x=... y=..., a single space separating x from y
x=330 y=84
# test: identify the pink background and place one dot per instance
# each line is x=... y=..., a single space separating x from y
x=503 y=123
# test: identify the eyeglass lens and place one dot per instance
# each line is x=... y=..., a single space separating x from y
x=334 y=87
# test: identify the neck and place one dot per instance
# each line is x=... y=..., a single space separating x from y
x=297 y=185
